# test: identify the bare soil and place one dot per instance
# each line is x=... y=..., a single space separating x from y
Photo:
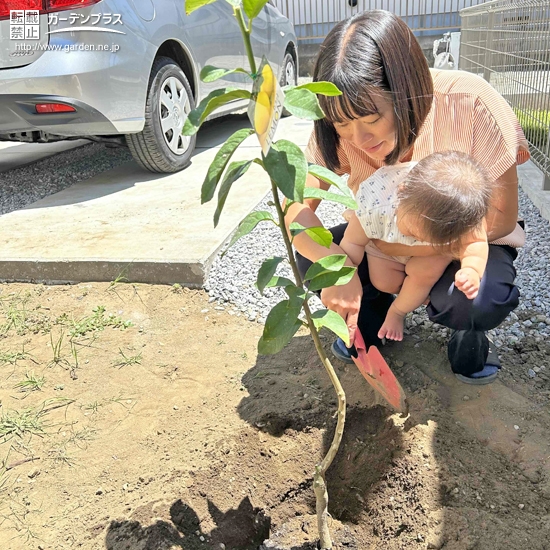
x=173 y=433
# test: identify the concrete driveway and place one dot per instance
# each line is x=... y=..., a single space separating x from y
x=131 y=223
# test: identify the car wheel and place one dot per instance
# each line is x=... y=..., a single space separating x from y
x=288 y=75
x=160 y=147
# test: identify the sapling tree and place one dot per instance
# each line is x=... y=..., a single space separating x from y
x=287 y=169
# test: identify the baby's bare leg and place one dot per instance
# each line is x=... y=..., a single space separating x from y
x=386 y=275
x=422 y=272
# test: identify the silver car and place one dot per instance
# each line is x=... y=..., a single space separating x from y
x=125 y=71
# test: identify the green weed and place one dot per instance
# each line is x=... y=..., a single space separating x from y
x=74 y=353
x=120 y=279
x=57 y=347
x=29 y=422
x=92 y=407
x=11 y=357
x=59 y=455
x=128 y=360
x=18 y=317
x=21 y=424
x=123 y=401
x=96 y=322
x=81 y=437
x=30 y=383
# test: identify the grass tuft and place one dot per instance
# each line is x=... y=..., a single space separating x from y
x=96 y=322
x=128 y=360
x=30 y=383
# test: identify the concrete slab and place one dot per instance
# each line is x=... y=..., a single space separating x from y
x=16 y=154
x=131 y=223
x=150 y=227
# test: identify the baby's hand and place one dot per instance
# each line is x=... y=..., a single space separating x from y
x=347 y=214
x=467 y=280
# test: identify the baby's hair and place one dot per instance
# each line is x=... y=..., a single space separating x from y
x=449 y=194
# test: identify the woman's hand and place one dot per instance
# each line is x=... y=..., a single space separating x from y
x=346 y=301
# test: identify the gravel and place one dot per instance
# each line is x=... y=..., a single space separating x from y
x=232 y=278
x=22 y=186
x=532 y=316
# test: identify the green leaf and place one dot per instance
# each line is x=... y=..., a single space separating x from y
x=315 y=193
x=329 y=271
x=287 y=167
x=333 y=263
x=234 y=3
x=323 y=88
x=332 y=278
x=319 y=234
x=210 y=73
x=296 y=293
x=210 y=103
x=191 y=125
x=234 y=172
x=279 y=281
x=192 y=5
x=281 y=325
x=333 y=321
x=223 y=156
x=266 y=272
x=303 y=104
x=248 y=224
x=252 y=8
x=330 y=177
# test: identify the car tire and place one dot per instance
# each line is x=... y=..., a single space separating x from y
x=288 y=75
x=159 y=147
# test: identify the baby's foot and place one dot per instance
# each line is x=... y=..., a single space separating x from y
x=392 y=329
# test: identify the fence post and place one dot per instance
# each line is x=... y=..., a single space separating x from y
x=489 y=46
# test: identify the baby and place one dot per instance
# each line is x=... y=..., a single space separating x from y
x=440 y=201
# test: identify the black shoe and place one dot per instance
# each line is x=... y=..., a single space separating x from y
x=340 y=351
x=488 y=374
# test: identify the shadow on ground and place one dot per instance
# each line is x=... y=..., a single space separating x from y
x=239 y=528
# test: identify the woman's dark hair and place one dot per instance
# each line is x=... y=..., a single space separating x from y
x=371 y=52
x=448 y=193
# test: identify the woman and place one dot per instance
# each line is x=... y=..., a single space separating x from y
x=393 y=108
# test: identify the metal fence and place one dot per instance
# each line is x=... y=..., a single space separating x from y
x=508 y=43
x=313 y=19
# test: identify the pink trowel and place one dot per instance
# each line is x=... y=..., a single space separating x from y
x=379 y=375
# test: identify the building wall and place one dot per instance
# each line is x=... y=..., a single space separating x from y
x=305 y=12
